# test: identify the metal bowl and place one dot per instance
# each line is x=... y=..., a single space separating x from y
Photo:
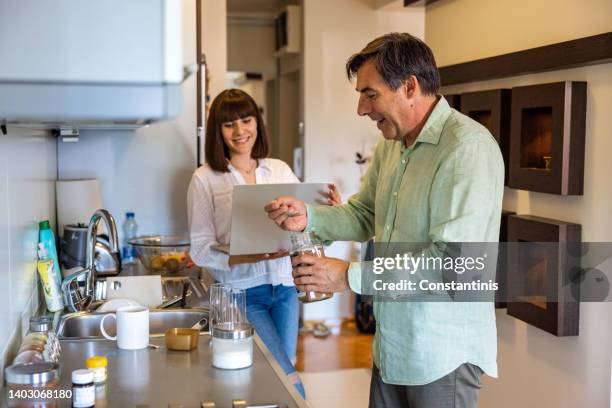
x=182 y=339
x=159 y=253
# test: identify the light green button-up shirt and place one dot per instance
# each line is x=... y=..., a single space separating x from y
x=446 y=187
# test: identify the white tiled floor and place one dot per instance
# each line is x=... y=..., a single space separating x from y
x=338 y=389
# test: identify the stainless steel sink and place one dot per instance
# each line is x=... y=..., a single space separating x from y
x=86 y=325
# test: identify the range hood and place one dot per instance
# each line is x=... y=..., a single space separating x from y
x=74 y=63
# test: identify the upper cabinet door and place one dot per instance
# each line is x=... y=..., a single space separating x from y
x=104 y=41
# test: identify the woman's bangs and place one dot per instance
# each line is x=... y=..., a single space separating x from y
x=235 y=108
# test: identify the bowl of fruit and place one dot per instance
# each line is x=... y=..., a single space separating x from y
x=162 y=253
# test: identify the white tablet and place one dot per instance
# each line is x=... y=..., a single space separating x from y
x=252 y=231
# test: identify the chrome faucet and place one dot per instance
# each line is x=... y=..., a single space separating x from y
x=75 y=298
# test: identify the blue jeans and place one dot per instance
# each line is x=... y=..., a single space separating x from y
x=274 y=312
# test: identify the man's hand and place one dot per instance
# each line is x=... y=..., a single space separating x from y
x=252 y=258
x=320 y=274
x=289 y=213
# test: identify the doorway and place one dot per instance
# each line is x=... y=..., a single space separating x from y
x=272 y=78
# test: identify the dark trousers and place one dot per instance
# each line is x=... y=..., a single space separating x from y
x=458 y=389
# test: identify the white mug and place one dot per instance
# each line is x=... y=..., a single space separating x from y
x=132 y=327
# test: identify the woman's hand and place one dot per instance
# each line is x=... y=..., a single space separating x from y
x=330 y=197
x=253 y=258
x=288 y=213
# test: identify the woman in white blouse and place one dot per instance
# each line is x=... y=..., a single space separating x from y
x=235 y=149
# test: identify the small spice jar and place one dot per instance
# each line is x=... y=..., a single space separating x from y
x=98 y=365
x=42 y=325
x=83 y=389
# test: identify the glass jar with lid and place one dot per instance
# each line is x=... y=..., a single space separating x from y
x=42 y=326
x=232 y=345
x=29 y=357
x=98 y=365
x=83 y=389
x=232 y=334
x=25 y=383
x=307 y=243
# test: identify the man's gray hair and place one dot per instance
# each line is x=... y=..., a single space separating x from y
x=398 y=56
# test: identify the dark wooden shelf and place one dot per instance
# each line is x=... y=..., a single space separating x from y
x=454 y=100
x=501 y=275
x=492 y=110
x=596 y=49
x=539 y=273
x=547 y=138
x=418 y=2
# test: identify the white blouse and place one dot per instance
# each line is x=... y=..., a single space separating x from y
x=209 y=209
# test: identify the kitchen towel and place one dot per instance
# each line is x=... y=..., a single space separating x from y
x=76 y=201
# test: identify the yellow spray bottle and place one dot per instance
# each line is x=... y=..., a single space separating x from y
x=46 y=271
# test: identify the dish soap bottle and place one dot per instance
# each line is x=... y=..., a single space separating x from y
x=48 y=278
x=130 y=230
x=46 y=237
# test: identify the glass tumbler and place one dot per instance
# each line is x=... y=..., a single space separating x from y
x=215 y=292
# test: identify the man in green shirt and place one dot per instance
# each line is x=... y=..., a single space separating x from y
x=436 y=178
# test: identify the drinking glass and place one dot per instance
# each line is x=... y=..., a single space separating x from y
x=227 y=305
x=215 y=292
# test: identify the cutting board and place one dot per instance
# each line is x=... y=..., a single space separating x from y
x=146 y=290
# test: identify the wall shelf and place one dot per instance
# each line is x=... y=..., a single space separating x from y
x=539 y=273
x=492 y=110
x=596 y=49
x=418 y=2
x=454 y=100
x=547 y=138
x=501 y=275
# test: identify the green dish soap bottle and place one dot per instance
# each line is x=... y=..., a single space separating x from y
x=46 y=237
x=51 y=288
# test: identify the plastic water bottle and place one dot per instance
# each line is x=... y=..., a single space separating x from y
x=130 y=230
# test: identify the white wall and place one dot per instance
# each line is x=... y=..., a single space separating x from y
x=214 y=42
x=250 y=47
x=536 y=368
x=148 y=170
x=28 y=169
x=333 y=31
x=464 y=30
x=333 y=131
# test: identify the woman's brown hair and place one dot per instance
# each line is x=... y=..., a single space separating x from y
x=228 y=106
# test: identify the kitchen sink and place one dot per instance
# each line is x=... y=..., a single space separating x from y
x=86 y=325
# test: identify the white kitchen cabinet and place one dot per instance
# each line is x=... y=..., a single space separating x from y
x=84 y=61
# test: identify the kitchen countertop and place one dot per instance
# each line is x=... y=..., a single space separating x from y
x=163 y=378
x=157 y=378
